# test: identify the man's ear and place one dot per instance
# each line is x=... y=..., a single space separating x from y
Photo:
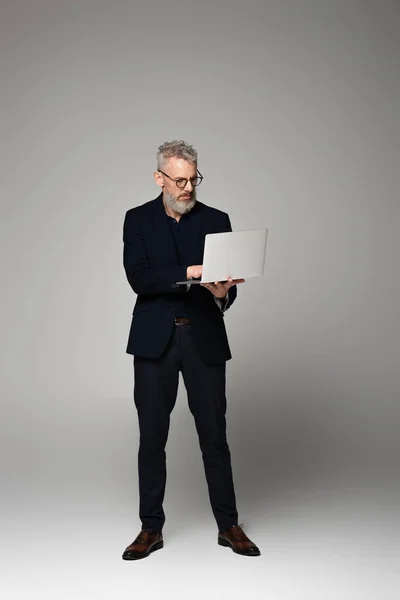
x=158 y=178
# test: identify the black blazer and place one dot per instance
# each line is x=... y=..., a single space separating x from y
x=152 y=268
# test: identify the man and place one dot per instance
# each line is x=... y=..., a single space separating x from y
x=179 y=328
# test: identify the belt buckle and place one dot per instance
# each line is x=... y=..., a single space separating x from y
x=182 y=321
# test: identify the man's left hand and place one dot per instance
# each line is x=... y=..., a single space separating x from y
x=220 y=289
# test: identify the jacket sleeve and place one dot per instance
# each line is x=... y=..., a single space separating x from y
x=142 y=278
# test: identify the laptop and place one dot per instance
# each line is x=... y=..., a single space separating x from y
x=236 y=254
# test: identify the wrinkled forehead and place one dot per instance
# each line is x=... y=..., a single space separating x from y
x=178 y=167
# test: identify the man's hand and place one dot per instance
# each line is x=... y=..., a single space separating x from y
x=194 y=272
x=219 y=289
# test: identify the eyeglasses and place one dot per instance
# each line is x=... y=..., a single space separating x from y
x=182 y=182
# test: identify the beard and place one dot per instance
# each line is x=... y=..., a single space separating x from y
x=180 y=206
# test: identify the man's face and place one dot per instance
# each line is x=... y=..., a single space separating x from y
x=181 y=200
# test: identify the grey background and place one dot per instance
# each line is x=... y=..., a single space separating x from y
x=294 y=109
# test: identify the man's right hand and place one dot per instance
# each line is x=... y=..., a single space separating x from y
x=194 y=272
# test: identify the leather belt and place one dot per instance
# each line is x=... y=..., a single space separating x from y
x=182 y=321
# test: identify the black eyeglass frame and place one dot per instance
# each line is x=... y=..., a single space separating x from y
x=180 y=179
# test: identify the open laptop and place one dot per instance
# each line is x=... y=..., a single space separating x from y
x=236 y=254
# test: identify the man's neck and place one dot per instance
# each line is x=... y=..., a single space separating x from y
x=172 y=213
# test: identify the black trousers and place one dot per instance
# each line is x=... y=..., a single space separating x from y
x=155 y=391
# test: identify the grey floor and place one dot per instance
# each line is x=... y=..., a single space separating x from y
x=325 y=518
x=326 y=543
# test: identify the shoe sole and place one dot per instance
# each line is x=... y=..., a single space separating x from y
x=157 y=546
x=228 y=545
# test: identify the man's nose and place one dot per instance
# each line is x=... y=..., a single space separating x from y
x=188 y=187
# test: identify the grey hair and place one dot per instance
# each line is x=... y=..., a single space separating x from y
x=175 y=149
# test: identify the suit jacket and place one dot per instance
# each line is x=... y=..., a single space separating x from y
x=152 y=267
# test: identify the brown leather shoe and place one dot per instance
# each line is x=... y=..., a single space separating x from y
x=145 y=543
x=236 y=539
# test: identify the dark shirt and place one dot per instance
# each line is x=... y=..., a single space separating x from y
x=180 y=232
